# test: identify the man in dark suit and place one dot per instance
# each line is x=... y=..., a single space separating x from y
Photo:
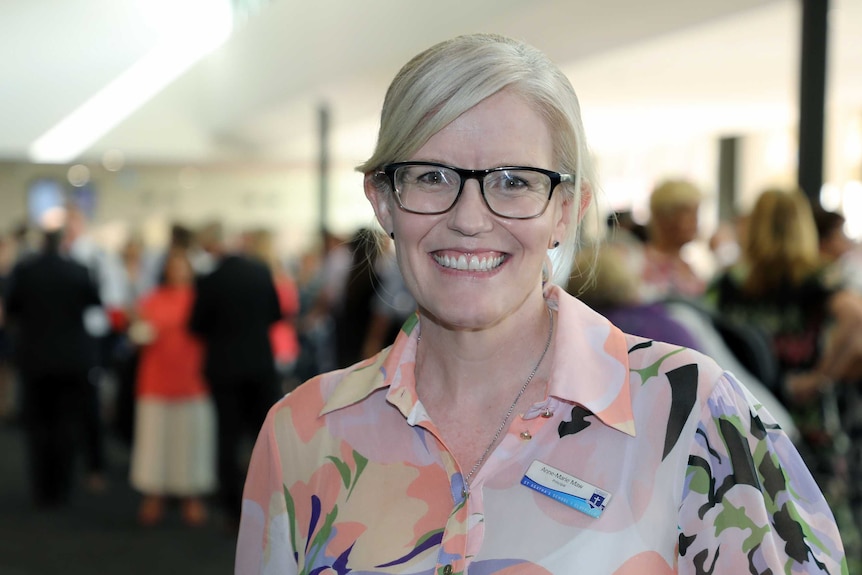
x=234 y=308
x=46 y=297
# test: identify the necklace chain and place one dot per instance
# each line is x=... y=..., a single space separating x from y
x=511 y=409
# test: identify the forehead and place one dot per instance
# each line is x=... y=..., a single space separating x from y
x=501 y=130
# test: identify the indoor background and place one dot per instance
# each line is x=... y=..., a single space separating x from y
x=152 y=111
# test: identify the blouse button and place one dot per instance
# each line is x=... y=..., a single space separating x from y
x=526 y=435
x=547 y=413
x=447 y=570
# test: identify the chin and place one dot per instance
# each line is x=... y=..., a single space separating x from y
x=460 y=318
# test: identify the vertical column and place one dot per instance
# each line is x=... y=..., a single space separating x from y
x=727 y=178
x=812 y=97
x=323 y=168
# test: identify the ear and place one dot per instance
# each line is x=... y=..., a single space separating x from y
x=564 y=218
x=380 y=199
x=585 y=200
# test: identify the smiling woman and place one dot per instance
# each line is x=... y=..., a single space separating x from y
x=509 y=428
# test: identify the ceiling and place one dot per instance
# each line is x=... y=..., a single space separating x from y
x=643 y=70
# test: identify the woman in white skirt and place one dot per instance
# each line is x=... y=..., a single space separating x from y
x=173 y=454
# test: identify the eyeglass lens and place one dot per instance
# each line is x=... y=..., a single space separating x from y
x=516 y=193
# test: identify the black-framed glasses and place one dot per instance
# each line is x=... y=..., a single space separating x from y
x=515 y=192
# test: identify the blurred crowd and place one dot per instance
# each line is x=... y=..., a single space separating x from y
x=179 y=352
x=175 y=353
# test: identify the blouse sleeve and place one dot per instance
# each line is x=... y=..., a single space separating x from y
x=264 y=544
x=749 y=504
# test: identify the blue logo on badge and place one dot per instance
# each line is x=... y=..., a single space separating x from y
x=597 y=500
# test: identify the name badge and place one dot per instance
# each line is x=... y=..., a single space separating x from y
x=566 y=489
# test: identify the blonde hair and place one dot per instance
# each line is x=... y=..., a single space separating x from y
x=261 y=245
x=780 y=242
x=670 y=194
x=603 y=278
x=451 y=77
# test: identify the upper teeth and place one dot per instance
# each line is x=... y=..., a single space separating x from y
x=473 y=263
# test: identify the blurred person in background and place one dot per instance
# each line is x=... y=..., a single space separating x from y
x=173 y=453
x=138 y=280
x=673 y=224
x=106 y=322
x=321 y=273
x=625 y=230
x=205 y=246
x=603 y=280
x=282 y=334
x=181 y=237
x=510 y=428
x=837 y=250
x=318 y=329
x=143 y=270
x=27 y=239
x=235 y=306
x=392 y=306
x=312 y=339
x=815 y=326
x=361 y=286
x=782 y=285
x=56 y=358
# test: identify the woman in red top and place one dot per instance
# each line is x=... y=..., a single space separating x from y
x=174 y=443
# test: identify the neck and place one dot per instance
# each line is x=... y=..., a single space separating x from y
x=471 y=369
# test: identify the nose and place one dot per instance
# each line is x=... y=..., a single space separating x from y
x=470 y=215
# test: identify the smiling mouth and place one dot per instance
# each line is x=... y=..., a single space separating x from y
x=469 y=263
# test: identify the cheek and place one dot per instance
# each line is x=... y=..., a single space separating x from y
x=408 y=249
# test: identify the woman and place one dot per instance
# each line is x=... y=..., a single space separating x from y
x=674 y=206
x=783 y=286
x=509 y=427
x=173 y=454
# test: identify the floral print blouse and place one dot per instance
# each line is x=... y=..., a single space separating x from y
x=644 y=458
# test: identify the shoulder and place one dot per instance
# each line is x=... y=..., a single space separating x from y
x=242 y=264
x=653 y=363
x=22 y=267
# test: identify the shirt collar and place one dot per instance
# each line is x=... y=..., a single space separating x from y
x=593 y=372
x=392 y=368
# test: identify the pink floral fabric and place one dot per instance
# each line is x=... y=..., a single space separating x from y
x=349 y=474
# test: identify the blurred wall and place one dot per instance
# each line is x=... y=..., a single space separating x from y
x=148 y=198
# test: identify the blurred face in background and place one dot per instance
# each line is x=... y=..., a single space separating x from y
x=677 y=225
x=178 y=270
